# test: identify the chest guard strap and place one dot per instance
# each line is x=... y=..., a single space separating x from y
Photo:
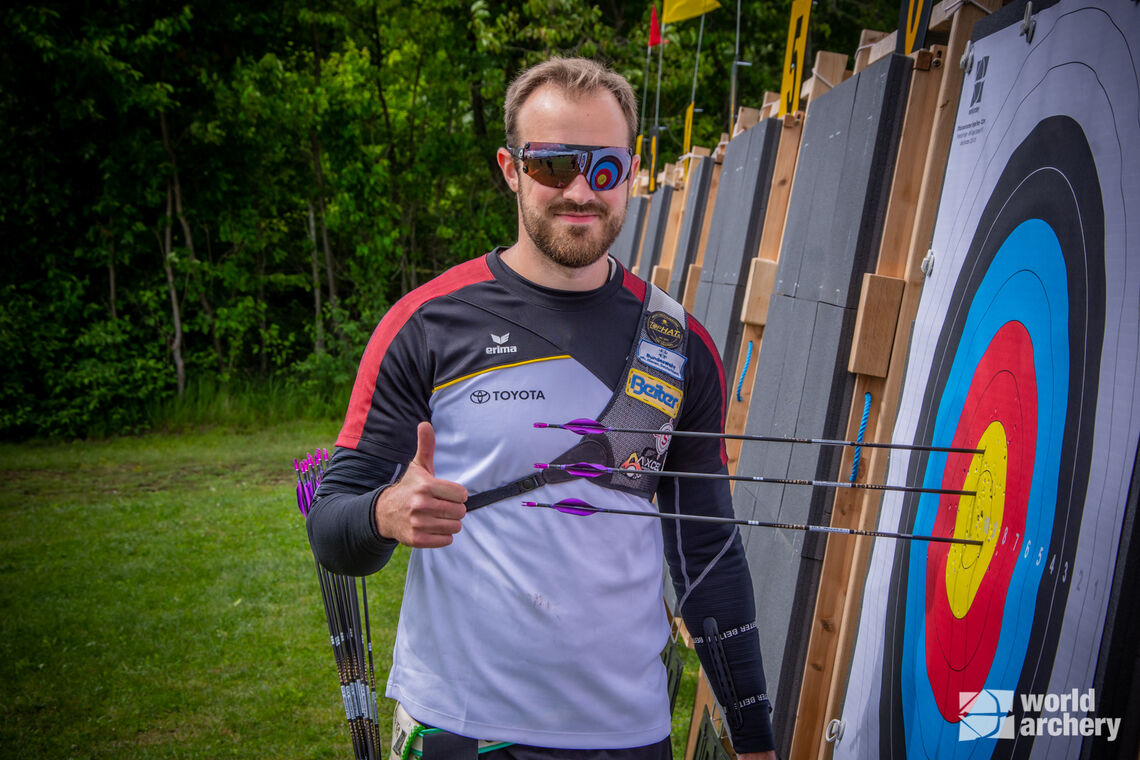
x=648 y=397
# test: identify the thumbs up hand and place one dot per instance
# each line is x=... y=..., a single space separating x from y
x=421 y=510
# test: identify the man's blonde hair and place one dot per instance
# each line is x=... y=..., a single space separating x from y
x=575 y=76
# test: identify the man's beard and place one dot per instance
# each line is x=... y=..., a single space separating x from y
x=571 y=246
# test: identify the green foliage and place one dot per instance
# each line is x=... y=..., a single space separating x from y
x=318 y=161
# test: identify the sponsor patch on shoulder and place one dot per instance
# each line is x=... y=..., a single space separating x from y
x=664 y=330
x=647 y=461
x=661 y=359
x=657 y=393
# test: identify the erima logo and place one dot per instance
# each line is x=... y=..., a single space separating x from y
x=499 y=348
x=649 y=390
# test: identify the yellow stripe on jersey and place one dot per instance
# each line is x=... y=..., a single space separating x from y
x=493 y=369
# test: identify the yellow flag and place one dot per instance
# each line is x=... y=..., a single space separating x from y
x=652 y=162
x=687 y=143
x=679 y=10
x=794 y=57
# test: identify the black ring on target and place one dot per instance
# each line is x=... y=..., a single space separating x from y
x=1050 y=176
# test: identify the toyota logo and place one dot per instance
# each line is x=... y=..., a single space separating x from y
x=480 y=397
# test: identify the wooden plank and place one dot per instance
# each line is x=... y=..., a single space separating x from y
x=918 y=125
x=740 y=390
x=641 y=183
x=758 y=294
x=832 y=599
x=660 y=203
x=802 y=386
x=758 y=291
x=702 y=700
x=672 y=232
x=735 y=235
x=843 y=179
x=871 y=345
x=694 y=205
x=882 y=47
x=829 y=71
x=710 y=204
x=660 y=276
x=627 y=246
x=771 y=107
x=863 y=53
x=691 y=282
x=692 y=275
x=746 y=119
x=829 y=656
x=639 y=235
x=721 y=147
x=754 y=313
x=837 y=575
x=783 y=176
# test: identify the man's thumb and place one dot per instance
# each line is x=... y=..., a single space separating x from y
x=425 y=447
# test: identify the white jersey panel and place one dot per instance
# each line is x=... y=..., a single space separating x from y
x=477 y=668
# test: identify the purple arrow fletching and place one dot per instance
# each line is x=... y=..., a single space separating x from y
x=569 y=506
x=586 y=469
x=584 y=426
x=575 y=507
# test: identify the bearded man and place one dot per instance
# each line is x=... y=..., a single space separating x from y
x=525 y=633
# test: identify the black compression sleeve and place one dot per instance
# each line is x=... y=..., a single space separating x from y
x=711 y=578
x=341 y=528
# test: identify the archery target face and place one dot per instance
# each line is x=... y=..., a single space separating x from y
x=1009 y=377
x=1025 y=346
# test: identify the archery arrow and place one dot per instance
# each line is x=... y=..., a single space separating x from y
x=586 y=426
x=590 y=470
x=351 y=643
x=581 y=508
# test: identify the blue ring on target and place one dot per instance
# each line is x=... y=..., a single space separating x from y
x=1036 y=256
x=1038 y=299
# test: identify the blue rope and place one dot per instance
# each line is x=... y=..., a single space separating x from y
x=743 y=372
x=862 y=432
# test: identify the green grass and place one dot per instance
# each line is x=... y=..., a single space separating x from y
x=158 y=600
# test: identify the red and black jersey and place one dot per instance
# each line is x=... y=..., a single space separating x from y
x=533 y=626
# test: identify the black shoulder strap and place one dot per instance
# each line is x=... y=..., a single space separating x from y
x=648 y=397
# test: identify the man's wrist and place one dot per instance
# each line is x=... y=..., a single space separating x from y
x=372 y=516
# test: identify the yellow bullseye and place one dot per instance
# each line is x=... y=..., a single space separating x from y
x=979 y=518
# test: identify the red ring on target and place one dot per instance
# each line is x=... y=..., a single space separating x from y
x=1002 y=399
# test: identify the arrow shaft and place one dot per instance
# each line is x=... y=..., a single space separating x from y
x=599 y=428
x=598 y=469
x=762 y=524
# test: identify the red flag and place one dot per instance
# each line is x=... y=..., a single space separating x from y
x=654 y=27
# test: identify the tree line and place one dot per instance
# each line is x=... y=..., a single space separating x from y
x=237 y=191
